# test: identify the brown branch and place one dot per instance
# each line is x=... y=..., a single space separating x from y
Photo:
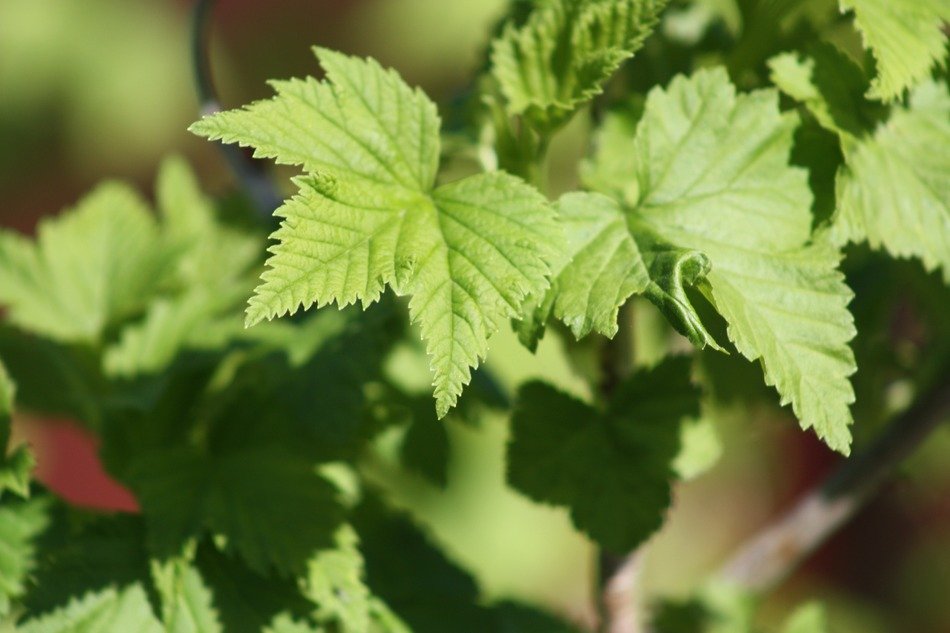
x=619 y=573
x=772 y=554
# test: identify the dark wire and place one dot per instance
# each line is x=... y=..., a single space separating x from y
x=247 y=171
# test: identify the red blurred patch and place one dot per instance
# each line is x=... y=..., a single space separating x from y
x=68 y=464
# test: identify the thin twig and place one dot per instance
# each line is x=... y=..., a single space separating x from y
x=771 y=555
x=246 y=170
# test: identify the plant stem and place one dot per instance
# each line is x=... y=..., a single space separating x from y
x=618 y=574
x=771 y=555
x=246 y=170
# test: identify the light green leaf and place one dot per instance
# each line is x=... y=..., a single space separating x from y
x=832 y=86
x=214 y=253
x=894 y=191
x=709 y=173
x=334 y=582
x=197 y=320
x=612 y=468
x=468 y=252
x=20 y=523
x=283 y=623
x=906 y=38
x=266 y=504
x=214 y=267
x=16 y=466
x=609 y=258
x=566 y=50
x=364 y=123
x=808 y=618
x=186 y=599
x=88 y=269
x=107 y=610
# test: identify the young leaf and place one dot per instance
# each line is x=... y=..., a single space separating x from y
x=187 y=602
x=709 y=172
x=368 y=215
x=16 y=466
x=198 y=319
x=612 y=468
x=334 y=583
x=213 y=266
x=88 y=269
x=906 y=38
x=609 y=258
x=566 y=50
x=832 y=86
x=111 y=609
x=271 y=507
x=20 y=523
x=886 y=194
x=894 y=191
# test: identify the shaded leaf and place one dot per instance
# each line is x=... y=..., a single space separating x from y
x=612 y=468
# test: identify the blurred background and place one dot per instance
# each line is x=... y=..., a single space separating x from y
x=103 y=89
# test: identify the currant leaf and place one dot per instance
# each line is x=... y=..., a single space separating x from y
x=565 y=51
x=612 y=468
x=708 y=171
x=368 y=214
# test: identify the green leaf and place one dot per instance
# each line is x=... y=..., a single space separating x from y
x=111 y=609
x=906 y=38
x=832 y=86
x=608 y=259
x=248 y=602
x=716 y=608
x=468 y=252
x=81 y=552
x=612 y=468
x=214 y=268
x=214 y=252
x=564 y=53
x=334 y=582
x=323 y=412
x=20 y=523
x=425 y=446
x=54 y=379
x=283 y=623
x=202 y=319
x=708 y=172
x=186 y=598
x=414 y=578
x=424 y=588
x=16 y=466
x=269 y=506
x=894 y=191
x=88 y=269
x=364 y=123
x=808 y=618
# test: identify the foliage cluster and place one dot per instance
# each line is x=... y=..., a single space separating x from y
x=737 y=150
